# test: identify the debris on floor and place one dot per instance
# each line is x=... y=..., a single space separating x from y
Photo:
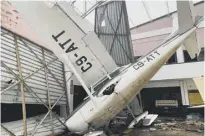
x=172 y=126
x=193 y=116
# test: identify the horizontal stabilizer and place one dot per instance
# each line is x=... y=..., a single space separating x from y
x=192 y=45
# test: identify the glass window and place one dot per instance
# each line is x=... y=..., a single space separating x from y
x=103 y=82
x=201 y=55
x=136 y=58
x=172 y=59
x=117 y=72
x=187 y=58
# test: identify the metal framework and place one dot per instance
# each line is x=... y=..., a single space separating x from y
x=115 y=33
x=17 y=74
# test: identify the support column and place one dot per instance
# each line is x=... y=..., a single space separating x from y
x=48 y=89
x=184 y=92
x=69 y=88
x=21 y=87
x=180 y=55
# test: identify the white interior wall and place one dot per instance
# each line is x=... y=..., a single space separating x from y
x=185 y=85
x=164 y=83
x=184 y=93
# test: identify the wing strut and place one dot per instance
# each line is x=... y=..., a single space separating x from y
x=82 y=82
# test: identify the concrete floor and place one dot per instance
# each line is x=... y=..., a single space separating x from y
x=164 y=126
x=169 y=127
x=165 y=133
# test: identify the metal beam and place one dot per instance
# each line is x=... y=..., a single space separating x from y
x=37 y=98
x=8 y=131
x=31 y=74
x=92 y=8
x=21 y=87
x=4 y=65
x=65 y=82
x=47 y=114
x=41 y=61
x=48 y=89
x=17 y=77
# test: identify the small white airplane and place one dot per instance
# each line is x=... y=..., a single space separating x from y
x=110 y=88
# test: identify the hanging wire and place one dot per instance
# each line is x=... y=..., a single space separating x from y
x=129 y=18
x=73 y=2
x=167 y=4
x=147 y=10
x=99 y=3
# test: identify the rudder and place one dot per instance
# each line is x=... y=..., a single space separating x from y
x=186 y=21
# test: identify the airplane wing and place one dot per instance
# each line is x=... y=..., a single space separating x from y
x=70 y=37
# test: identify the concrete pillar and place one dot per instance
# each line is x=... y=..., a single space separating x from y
x=184 y=92
x=64 y=112
x=180 y=55
x=175 y=25
x=70 y=88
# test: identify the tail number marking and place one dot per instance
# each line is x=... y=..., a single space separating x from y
x=82 y=61
x=145 y=60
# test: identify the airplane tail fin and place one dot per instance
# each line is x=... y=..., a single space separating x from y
x=187 y=20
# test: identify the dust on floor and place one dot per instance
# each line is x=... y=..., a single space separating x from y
x=171 y=127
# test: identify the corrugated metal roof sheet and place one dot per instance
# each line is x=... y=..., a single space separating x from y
x=17 y=128
x=32 y=58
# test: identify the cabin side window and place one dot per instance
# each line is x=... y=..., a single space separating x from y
x=105 y=80
x=116 y=72
x=172 y=59
x=201 y=55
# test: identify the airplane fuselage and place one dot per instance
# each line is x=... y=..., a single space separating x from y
x=75 y=44
x=130 y=83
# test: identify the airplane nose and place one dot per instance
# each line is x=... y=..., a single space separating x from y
x=77 y=124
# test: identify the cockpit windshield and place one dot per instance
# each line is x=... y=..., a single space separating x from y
x=100 y=84
x=105 y=80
